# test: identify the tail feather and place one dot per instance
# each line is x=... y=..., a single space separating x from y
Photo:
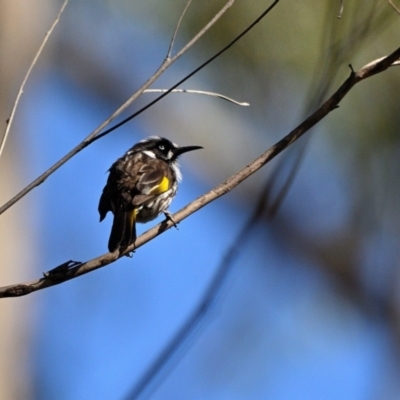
x=129 y=236
x=123 y=231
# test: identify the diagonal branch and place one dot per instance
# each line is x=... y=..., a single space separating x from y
x=70 y=270
x=161 y=365
x=171 y=45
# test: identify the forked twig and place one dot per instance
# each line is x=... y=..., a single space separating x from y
x=21 y=89
x=171 y=45
x=69 y=272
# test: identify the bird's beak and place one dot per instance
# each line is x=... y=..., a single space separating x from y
x=185 y=149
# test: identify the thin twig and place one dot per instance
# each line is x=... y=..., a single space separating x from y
x=213 y=94
x=21 y=89
x=93 y=136
x=171 y=45
x=331 y=104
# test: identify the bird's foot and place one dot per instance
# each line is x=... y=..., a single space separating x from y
x=168 y=217
x=130 y=253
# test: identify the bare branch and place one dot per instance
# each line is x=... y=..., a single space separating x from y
x=21 y=89
x=171 y=45
x=69 y=271
x=95 y=134
x=213 y=94
x=372 y=63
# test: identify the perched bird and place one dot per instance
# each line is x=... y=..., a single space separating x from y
x=140 y=186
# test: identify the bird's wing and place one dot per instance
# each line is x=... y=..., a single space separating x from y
x=155 y=178
x=104 y=203
x=123 y=231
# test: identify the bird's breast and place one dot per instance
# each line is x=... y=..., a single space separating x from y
x=151 y=210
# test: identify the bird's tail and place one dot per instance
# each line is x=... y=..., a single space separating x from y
x=123 y=231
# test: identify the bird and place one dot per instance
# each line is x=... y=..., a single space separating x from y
x=140 y=186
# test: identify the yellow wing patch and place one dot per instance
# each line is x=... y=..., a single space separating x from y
x=160 y=188
x=133 y=216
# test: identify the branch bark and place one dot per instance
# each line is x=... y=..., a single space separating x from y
x=72 y=269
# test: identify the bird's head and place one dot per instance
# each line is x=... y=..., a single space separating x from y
x=162 y=148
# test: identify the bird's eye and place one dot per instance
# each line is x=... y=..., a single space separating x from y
x=161 y=147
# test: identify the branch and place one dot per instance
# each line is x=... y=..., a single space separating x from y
x=95 y=134
x=71 y=269
x=21 y=89
x=212 y=94
x=372 y=63
x=171 y=45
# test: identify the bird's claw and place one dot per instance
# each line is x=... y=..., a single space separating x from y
x=169 y=217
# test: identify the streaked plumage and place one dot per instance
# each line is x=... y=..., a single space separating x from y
x=140 y=186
